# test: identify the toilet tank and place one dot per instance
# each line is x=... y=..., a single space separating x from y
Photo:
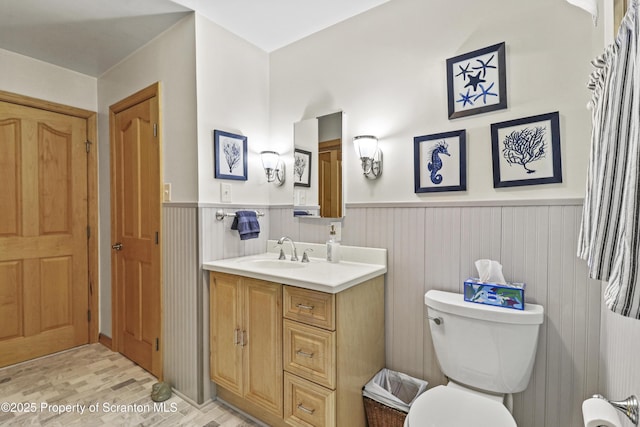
x=490 y=348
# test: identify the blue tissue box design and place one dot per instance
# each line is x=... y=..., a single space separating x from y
x=510 y=295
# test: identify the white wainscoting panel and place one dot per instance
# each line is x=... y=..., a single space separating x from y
x=619 y=353
x=181 y=330
x=435 y=248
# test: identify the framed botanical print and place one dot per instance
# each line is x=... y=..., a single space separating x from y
x=230 y=152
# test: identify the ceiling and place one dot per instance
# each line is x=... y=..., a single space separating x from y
x=91 y=36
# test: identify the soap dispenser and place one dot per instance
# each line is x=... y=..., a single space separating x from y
x=333 y=246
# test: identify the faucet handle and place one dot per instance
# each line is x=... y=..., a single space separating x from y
x=281 y=251
x=305 y=257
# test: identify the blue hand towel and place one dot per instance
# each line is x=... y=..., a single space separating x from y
x=246 y=222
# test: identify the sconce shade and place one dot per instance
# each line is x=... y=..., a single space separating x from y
x=273 y=167
x=366 y=146
x=370 y=155
x=270 y=159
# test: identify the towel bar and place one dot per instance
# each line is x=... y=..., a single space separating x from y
x=220 y=214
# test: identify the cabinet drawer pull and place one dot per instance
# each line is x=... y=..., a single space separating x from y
x=305 y=307
x=235 y=336
x=307 y=410
x=304 y=354
x=242 y=338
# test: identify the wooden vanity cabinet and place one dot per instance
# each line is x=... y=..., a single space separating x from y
x=333 y=345
x=328 y=347
x=246 y=339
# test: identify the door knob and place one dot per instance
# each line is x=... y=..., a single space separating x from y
x=117 y=246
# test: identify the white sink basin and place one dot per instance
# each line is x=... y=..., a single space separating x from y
x=356 y=265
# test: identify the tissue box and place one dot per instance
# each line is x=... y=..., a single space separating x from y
x=510 y=295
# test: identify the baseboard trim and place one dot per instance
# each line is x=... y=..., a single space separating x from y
x=105 y=341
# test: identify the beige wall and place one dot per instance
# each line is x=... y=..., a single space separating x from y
x=386 y=69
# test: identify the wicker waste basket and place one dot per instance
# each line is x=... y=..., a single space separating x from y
x=388 y=397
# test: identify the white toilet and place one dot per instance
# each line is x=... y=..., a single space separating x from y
x=486 y=352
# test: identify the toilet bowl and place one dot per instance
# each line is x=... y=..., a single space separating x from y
x=486 y=352
x=445 y=406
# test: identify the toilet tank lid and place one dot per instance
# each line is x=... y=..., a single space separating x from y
x=449 y=302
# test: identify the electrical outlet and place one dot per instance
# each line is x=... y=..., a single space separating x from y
x=338 y=227
x=303 y=198
x=166 y=192
x=225 y=192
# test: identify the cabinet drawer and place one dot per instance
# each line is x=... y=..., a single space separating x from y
x=309 y=352
x=311 y=307
x=308 y=404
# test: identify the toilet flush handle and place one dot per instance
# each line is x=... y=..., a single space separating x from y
x=436 y=320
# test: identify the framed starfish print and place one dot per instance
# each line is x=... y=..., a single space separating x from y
x=477 y=82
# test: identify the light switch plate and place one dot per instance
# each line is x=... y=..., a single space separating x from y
x=225 y=192
x=166 y=192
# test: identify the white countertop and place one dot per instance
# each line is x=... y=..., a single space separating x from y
x=356 y=266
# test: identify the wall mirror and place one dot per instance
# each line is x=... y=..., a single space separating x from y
x=318 y=187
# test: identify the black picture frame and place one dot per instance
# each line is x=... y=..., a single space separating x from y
x=477 y=81
x=301 y=168
x=521 y=144
x=440 y=162
x=230 y=155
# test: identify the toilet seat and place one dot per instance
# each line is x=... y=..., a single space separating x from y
x=444 y=406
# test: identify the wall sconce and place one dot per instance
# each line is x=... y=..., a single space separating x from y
x=367 y=148
x=273 y=167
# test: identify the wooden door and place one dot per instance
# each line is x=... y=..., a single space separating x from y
x=330 y=178
x=226 y=331
x=263 y=374
x=136 y=217
x=43 y=233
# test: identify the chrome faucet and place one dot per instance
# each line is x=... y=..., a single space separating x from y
x=294 y=252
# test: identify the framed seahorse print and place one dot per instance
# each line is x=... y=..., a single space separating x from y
x=477 y=82
x=440 y=162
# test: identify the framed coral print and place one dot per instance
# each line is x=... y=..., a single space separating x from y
x=301 y=168
x=440 y=162
x=526 y=151
x=477 y=82
x=230 y=153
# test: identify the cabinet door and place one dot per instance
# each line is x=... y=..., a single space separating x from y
x=226 y=331
x=263 y=375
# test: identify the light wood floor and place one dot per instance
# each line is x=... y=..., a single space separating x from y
x=109 y=389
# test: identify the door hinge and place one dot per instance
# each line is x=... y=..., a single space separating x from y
x=88 y=145
x=155 y=130
x=88 y=232
x=157 y=344
x=88 y=315
x=157 y=238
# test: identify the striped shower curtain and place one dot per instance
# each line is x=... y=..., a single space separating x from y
x=610 y=232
